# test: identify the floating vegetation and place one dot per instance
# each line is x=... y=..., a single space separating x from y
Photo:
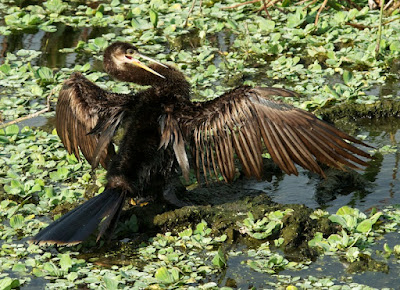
x=333 y=64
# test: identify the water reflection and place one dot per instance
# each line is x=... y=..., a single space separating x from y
x=50 y=43
x=375 y=187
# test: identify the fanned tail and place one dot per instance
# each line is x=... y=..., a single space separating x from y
x=76 y=225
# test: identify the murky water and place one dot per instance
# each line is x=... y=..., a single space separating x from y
x=382 y=177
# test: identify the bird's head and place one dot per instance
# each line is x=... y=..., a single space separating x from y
x=122 y=61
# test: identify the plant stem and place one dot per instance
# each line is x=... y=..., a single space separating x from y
x=378 y=42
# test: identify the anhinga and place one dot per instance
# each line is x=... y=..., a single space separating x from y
x=162 y=122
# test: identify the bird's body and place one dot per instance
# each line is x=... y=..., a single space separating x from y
x=161 y=123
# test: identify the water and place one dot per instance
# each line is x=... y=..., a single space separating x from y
x=381 y=177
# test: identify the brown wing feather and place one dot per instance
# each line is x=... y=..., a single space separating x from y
x=241 y=121
x=86 y=119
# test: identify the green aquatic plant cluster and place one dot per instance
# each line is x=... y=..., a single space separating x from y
x=264 y=260
x=188 y=258
x=265 y=227
x=218 y=49
x=355 y=234
x=37 y=174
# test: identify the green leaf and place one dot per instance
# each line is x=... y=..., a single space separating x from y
x=110 y=282
x=38 y=272
x=232 y=24
x=387 y=249
x=347 y=76
x=365 y=226
x=36 y=90
x=286 y=3
x=19 y=267
x=101 y=42
x=219 y=259
x=60 y=174
x=17 y=221
x=200 y=228
x=44 y=74
x=266 y=24
x=153 y=17
x=395 y=46
x=73 y=276
x=375 y=217
x=339 y=220
x=65 y=262
x=344 y=210
x=55 y=6
x=166 y=276
x=9 y=283
x=297 y=18
x=186 y=233
x=115 y=3
x=12 y=130
x=5 y=68
x=52 y=269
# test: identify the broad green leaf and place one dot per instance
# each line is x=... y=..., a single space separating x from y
x=44 y=74
x=38 y=272
x=65 y=262
x=232 y=24
x=73 y=276
x=12 y=130
x=345 y=210
x=347 y=76
x=395 y=46
x=266 y=24
x=110 y=282
x=339 y=220
x=153 y=17
x=375 y=217
x=365 y=226
x=186 y=233
x=219 y=259
x=5 y=68
x=55 y=6
x=17 y=221
x=165 y=276
x=19 y=267
x=8 y=283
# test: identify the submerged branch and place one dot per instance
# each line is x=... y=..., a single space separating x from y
x=30 y=116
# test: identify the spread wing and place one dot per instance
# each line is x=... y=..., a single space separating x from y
x=241 y=123
x=87 y=118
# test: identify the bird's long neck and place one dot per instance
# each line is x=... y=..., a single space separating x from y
x=174 y=82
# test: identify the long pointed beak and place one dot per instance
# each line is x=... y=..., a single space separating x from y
x=151 y=59
x=133 y=59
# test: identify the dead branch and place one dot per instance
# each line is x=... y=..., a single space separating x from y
x=240 y=4
x=319 y=12
x=30 y=116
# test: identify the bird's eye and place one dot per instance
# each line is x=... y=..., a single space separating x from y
x=130 y=51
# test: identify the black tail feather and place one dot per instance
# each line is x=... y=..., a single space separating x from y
x=77 y=225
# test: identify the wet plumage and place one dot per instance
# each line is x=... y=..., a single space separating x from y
x=162 y=125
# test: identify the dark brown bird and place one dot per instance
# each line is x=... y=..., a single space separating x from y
x=162 y=122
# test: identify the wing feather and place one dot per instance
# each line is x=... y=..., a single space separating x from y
x=87 y=118
x=238 y=123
